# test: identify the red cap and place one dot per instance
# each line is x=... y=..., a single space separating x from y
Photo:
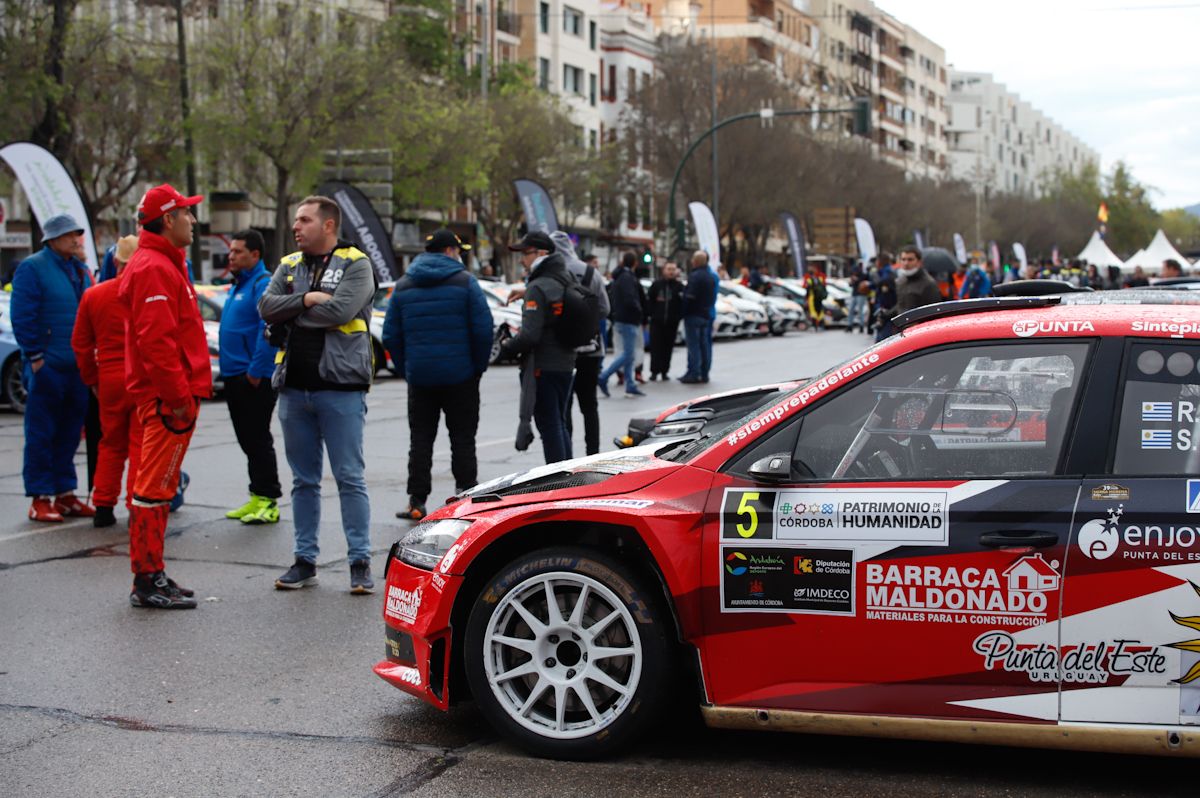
x=161 y=199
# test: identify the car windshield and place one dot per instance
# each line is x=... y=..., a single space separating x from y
x=382 y=295
x=701 y=444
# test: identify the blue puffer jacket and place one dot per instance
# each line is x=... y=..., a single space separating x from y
x=438 y=326
x=45 y=300
x=244 y=350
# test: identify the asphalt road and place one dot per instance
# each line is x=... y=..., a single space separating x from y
x=261 y=692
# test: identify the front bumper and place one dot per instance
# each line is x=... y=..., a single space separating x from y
x=417 y=632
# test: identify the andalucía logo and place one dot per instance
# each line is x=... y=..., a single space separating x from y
x=1193 y=496
x=734 y=563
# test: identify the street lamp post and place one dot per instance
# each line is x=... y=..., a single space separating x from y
x=862 y=125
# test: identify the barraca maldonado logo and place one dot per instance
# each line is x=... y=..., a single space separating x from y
x=1191 y=622
x=734 y=563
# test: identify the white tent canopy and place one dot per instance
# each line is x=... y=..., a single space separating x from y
x=1098 y=253
x=1151 y=258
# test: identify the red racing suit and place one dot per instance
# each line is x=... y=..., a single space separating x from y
x=99 y=344
x=167 y=369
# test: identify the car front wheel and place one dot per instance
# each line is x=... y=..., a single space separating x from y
x=565 y=654
x=13 y=384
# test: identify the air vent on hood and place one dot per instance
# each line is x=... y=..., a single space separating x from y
x=557 y=481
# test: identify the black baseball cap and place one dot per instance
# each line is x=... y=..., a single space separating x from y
x=444 y=239
x=533 y=240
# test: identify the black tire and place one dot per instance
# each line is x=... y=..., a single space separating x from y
x=557 y=655
x=13 y=389
x=498 y=340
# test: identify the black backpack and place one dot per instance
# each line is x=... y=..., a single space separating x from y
x=580 y=321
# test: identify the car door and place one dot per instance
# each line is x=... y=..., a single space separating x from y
x=1131 y=609
x=882 y=551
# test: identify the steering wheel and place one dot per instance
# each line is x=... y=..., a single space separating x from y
x=882 y=458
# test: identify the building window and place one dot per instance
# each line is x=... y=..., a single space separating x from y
x=612 y=82
x=572 y=80
x=544 y=17
x=572 y=21
x=631 y=87
x=592 y=35
x=544 y=73
x=592 y=88
x=594 y=139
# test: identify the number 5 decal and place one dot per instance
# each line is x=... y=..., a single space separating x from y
x=748 y=515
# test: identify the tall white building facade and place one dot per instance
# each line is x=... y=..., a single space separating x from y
x=1000 y=143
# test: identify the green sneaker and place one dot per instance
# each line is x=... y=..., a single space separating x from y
x=266 y=512
x=245 y=509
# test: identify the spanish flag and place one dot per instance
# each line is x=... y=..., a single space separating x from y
x=1102 y=214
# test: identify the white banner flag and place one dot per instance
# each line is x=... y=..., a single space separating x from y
x=866 y=239
x=50 y=190
x=1019 y=251
x=960 y=249
x=706 y=232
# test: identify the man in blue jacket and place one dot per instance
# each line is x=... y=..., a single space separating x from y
x=247 y=363
x=46 y=291
x=699 y=301
x=438 y=329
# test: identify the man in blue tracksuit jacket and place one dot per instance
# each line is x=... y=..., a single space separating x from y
x=247 y=363
x=438 y=330
x=46 y=291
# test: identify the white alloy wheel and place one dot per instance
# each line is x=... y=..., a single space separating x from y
x=562 y=655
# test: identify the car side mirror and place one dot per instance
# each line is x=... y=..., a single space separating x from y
x=773 y=468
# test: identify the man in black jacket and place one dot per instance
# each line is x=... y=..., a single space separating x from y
x=915 y=287
x=547 y=362
x=666 y=310
x=627 y=311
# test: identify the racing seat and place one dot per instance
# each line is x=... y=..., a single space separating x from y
x=1056 y=426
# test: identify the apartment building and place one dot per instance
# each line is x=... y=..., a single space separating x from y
x=1000 y=143
x=866 y=52
x=560 y=39
x=776 y=32
x=628 y=48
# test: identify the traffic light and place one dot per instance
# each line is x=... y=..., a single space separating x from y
x=647 y=256
x=862 y=116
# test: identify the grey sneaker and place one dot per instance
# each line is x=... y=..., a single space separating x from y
x=361 y=582
x=302 y=574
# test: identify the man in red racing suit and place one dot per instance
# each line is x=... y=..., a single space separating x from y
x=167 y=372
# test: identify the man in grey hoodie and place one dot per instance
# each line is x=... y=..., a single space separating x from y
x=546 y=361
x=587 y=359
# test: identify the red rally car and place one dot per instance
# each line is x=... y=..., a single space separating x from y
x=984 y=529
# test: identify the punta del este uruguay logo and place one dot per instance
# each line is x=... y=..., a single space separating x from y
x=1102 y=538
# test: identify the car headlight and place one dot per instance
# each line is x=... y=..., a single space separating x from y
x=426 y=544
x=677 y=428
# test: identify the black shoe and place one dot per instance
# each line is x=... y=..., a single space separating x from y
x=302 y=574
x=156 y=591
x=184 y=591
x=689 y=380
x=103 y=517
x=361 y=582
x=415 y=511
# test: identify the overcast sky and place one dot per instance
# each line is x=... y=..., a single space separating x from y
x=1122 y=75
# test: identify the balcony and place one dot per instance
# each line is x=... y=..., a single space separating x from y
x=508 y=22
x=861 y=59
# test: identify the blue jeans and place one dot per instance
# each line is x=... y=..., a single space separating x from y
x=857 y=313
x=630 y=337
x=335 y=419
x=54 y=416
x=697 y=333
x=551 y=403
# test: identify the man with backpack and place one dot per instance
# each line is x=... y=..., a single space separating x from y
x=546 y=344
x=589 y=357
x=438 y=330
